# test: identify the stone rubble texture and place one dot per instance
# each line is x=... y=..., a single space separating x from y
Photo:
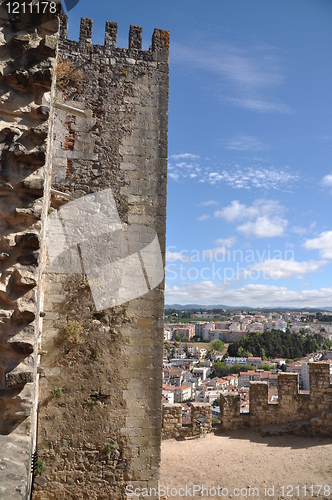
x=78 y=119
x=172 y=421
x=28 y=51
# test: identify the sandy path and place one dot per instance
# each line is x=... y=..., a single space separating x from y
x=245 y=459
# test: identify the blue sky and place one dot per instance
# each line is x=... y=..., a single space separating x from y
x=250 y=142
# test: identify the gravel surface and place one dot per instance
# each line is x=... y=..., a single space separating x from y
x=240 y=461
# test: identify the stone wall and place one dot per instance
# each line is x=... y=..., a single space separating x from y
x=101 y=367
x=299 y=412
x=28 y=50
x=172 y=420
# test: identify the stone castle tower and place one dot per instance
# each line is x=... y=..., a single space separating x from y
x=83 y=170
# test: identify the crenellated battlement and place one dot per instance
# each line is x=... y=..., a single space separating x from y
x=300 y=412
x=172 y=420
x=158 y=50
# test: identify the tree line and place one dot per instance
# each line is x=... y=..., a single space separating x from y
x=278 y=344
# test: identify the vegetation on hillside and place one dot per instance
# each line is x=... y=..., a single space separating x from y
x=324 y=318
x=216 y=345
x=278 y=344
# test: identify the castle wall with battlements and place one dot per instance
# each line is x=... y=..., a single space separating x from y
x=301 y=413
x=97 y=130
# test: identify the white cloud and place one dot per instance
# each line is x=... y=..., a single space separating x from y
x=267 y=214
x=237 y=210
x=174 y=175
x=185 y=156
x=245 y=143
x=282 y=269
x=260 y=105
x=184 y=164
x=327 y=180
x=298 y=230
x=215 y=172
x=229 y=242
x=246 y=77
x=203 y=217
x=253 y=177
x=323 y=243
x=208 y=203
x=220 y=249
x=253 y=295
x=263 y=227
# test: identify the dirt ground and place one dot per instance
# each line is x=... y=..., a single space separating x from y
x=279 y=467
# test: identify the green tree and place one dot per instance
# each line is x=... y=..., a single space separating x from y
x=216 y=345
x=177 y=336
x=240 y=351
x=277 y=343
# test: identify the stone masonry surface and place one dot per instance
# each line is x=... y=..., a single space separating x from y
x=100 y=381
x=172 y=420
x=28 y=50
x=78 y=119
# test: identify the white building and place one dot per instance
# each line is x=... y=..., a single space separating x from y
x=276 y=325
x=202 y=371
x=182 y=393
x=199 y=327
x=200 y=352
x=231 y=361
x=281 y=325
x=304 y=376
x=168 y=392
x=168 y=334
x=179 y=354
x=207 y=396
x=255 y=327
x=206 y=332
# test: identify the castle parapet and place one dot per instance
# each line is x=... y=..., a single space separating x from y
x=172 y=420
x=303 y=413
x=157 y=52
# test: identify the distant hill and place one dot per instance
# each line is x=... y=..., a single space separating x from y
x=185 y=307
